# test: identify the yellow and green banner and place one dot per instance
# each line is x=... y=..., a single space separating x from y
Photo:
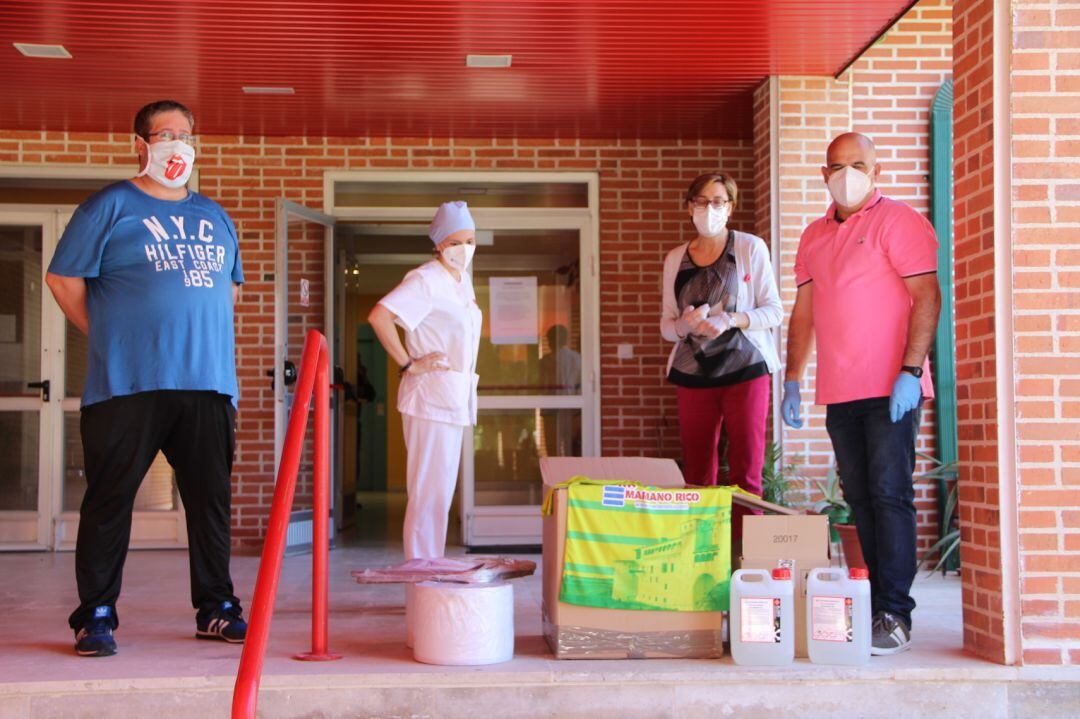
x=630 y=546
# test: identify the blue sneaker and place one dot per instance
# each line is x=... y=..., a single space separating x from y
x=224 y=623
x=95 y=639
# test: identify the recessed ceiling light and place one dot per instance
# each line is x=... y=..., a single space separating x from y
x=488 y=60
x=263 y=90
x=55 y=52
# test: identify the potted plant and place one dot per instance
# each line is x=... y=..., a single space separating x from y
x=838 y=511
x=842 y=527
x=776 y=476
x=948 y=546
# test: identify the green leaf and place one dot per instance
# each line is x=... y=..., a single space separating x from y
x=947 y=553
x=952 y=539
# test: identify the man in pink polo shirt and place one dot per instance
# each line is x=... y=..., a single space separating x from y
x=868 y=294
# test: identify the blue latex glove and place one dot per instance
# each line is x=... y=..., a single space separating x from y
x=789 y=406
x=906 y=393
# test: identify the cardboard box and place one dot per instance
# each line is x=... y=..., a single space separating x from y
x=800 y=542
x=576 y=632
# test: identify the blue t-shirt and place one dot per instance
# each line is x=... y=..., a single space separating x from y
x=159 y=286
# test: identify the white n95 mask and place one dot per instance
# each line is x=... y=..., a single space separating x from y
x=169 y=163
x=710 y=222
x=459 y=256
x=849 y=186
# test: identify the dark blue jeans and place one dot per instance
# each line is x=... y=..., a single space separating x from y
x=876 y=460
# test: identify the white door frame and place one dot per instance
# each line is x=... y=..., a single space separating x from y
x=521 y=523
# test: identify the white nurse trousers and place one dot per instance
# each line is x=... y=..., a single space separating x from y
x=434 y=453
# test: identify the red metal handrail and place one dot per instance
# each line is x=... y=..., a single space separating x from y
x=314 y=375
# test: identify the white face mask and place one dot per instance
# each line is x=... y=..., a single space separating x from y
x=709 y=221
x=849 y=186
x=459 y=256
x=169 y=163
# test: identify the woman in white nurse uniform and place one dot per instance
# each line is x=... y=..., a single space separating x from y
x=436 y=306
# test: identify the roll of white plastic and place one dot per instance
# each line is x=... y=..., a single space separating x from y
x=463 y=624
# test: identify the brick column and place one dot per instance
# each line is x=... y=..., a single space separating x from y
x=1045 y=255
x=976 y=365
x=1017 y=142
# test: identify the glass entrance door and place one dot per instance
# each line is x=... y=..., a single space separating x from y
x=303 y=301
x=26 y=500
x=157 y=520
x=532 y=367
x=535 y=279
x=42 y=370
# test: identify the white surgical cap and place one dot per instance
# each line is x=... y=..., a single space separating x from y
x=449 y=218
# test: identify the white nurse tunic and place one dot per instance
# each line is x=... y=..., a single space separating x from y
x=438 y=314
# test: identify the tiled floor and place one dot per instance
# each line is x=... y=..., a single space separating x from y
x=162 y=669
x=366 y=622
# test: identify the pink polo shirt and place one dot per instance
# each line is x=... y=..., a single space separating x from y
x=861 y=304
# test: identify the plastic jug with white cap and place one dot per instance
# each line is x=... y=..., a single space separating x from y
x=838 y=616
x=762 y=617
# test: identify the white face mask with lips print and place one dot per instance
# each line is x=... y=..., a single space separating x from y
x=459 y=256
x=169 y=163
x=710 y=221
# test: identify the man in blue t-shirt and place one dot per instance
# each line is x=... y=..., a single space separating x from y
x=150 y=271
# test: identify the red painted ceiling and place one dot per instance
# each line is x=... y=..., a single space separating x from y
x=605 y=68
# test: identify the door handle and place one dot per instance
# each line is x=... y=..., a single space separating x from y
x=288 y=372
x=43 y=385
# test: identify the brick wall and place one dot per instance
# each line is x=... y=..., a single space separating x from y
x=812 y=111
x=1045 y=79
x=642 y=184
x=892 y=89
x=976 y=369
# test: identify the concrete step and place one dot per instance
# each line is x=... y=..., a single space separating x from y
x=673 y=689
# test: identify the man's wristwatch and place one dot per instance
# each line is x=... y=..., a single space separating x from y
x=913 y=371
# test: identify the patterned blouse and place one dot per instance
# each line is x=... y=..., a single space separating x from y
x=731 y=357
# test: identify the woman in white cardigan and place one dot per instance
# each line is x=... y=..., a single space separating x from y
x=719 y=304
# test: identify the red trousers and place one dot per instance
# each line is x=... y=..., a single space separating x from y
x=743 y=408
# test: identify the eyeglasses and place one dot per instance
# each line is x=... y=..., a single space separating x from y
x=169 y=136
x=701 y=202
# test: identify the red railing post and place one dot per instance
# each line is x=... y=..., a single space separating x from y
x=314 y=374
x=320 y=536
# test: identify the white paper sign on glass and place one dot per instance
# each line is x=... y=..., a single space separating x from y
x=514 y=313
x=305 y=293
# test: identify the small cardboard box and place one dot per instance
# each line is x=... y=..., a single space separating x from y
x=576 y=632
x=800 y=542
